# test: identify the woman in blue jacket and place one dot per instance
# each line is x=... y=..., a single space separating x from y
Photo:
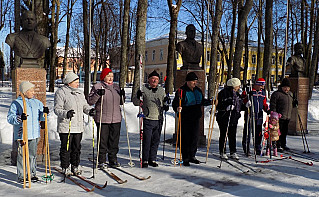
x=33 y=117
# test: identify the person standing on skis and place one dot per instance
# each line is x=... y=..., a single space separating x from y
x=16 y=116
x=191 y=112
x=228 y=112
x=258 y=95
x=111 y=116
x=69 y=106
x=153 y=105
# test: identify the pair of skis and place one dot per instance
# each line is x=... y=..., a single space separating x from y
x=287 y=157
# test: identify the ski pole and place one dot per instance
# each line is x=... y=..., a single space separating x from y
x=131 y=164
x=179 y=129
x=211 y=127
x=47 y=152
x=303 y=134
x=224 y=147
x=93 y=147
x=253 y=122
x=67 y=144
x=140 y=114
x=168 y=101
x=99 y=135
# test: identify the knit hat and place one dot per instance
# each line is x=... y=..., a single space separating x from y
x=275 y=115
x=285 y=83
x=105 y=72
x=191 y=76
x=154 y=73
x=25 y=86
x=233 y=82
x=260 y=82
x=71 y=76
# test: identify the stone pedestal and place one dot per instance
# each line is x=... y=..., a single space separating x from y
x=300 y=87
x=37 y=76
x=179 y=81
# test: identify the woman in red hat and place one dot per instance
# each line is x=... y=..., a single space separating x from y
x=111 y=116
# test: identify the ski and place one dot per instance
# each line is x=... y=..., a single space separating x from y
x=302 y=155
x=111 y=174
x=246 y=165
x=91 y=183
x=235 y=166
x=303 y=162
x=75 y=181
x=133 y=175
x=271 y=160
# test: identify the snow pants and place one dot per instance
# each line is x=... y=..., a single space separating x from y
x=283 y=125
x=33 y=147
x=73 y=154
x=151 y=138
x=190 y=132
x=232 y=129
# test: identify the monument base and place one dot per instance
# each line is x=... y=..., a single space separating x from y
x=180 y=81
x=37 y=76
x=300 y=87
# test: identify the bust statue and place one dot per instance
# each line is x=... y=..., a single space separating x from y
x=297 y=62
x=28 y=44
x=190 y=50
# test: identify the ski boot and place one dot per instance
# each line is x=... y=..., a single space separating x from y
x=267 y=152
x=275 y=152
x=67 y=171
x=75 y=170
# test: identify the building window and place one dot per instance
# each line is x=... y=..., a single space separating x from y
x=161 y=54
x=208 y=56
x=218 y=57
x=176 y=55
x=145 y=56
x=273 y=60
x=153 y=56
x=253 y=59
x=280 y=60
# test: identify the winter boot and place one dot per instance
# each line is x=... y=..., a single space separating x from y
x=67 y=171
x=234 y=156
x=223 y=156
x=75 y=170
x=267 y=152
x=275 y=152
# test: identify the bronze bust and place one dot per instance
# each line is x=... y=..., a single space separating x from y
x=190 y=50
x=28 y=44
x=297 y=62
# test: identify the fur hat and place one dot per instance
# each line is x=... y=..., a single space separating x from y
x=154 y=73
x=71 y=76
x=285 y=83
x=191 y=76
x=260 y=82
x=25 y=86
x=105 y=72
x=233 y=82
x=275 y=115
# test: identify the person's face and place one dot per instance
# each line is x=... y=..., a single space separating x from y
x=153 y=81
x=191 y=84
x=190 y=32
x=30 y=93
x=28 y=21
x=285 y=89
x=236 y=88
x=74 y=84
x=258 y=87
x=109 y=78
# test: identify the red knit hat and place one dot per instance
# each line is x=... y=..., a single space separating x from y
x=260 y=82
x=105 y=72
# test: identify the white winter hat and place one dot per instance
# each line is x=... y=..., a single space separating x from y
x=25 y=86
x=233 y=82
x=71 y=76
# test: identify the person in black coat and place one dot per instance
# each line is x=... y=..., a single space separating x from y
x=229 y=106
x=191 y=111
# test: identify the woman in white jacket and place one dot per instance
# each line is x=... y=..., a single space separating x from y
x=69 y=106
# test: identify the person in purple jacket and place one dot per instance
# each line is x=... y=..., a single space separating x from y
x=111 y=117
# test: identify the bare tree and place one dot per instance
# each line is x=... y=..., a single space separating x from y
x=314 y=61
x=87 y=47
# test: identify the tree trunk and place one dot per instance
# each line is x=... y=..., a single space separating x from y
x=140 y=42
x=87 y=61
x=232 y=40
x=246 y=56
x=242 y=19
x=173 y=11
x=260 y=32
x=309 y=46
x=212 y=79
x=314 y=61
x=124 y=43
x=268 y=40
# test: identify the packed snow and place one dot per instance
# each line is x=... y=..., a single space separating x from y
x=279 y=178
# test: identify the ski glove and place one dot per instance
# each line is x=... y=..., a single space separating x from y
x=295 y=103
x=165 y=107
x=21 y=117
x=100 y=92
x=167 y=99
x=92 y=112
x=138 y=94
x=248 y=104
x=122 y=92
x=230 y=107
x=70 y=114
x=46 y=110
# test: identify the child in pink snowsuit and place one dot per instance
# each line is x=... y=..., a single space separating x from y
x=274 y=131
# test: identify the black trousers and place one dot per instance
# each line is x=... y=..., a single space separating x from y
x=283 y=125
x=246 y=137
x=73 y=154
x=232 y=129
x=190 y=131
x=151 y=138
x=109 y=143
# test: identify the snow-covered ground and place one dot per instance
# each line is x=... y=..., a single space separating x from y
x=279 y=178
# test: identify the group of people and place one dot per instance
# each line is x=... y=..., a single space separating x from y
x=103 y=104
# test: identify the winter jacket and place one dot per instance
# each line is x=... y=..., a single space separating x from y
x=281 y=102
x=191 y=103
x=65 y=99
x=153 y=102
x=227 y=97
x=260 y=103
x=111 y=112
x=34 y=112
